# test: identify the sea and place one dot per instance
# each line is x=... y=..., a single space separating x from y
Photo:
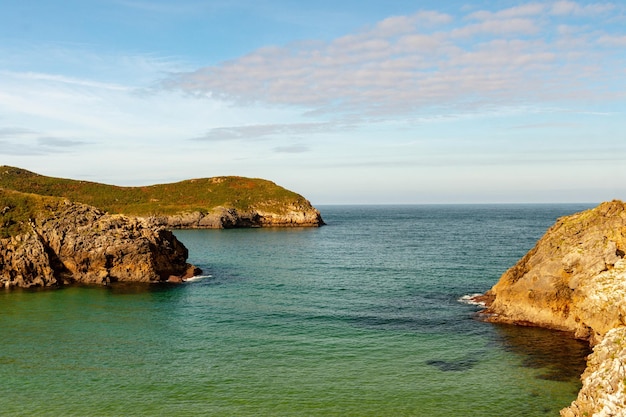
x=366 y=316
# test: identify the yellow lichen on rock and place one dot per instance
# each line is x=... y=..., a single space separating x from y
x=572 y=279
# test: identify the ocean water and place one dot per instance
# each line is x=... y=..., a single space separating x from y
x=358 y=318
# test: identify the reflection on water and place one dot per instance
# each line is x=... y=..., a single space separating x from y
x=557 y=354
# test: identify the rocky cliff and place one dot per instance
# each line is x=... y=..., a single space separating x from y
x=603 y=393
x=574 y=279
x=218 y=202
x=292 y=215
x=63 y=243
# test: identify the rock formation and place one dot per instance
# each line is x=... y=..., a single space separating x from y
x=603 y=393
x=205 y=203
x=574 y=279
x=75 y=243
x=294 y=215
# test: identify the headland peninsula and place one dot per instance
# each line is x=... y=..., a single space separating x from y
x=56 y=231
x=211 y=203
x=574 y=280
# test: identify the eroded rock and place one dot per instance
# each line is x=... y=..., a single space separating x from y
x=78 y=243
x=574 y=279
x=603 y=393
x=293 y=215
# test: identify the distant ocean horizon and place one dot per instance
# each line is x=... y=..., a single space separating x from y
x=362 y=317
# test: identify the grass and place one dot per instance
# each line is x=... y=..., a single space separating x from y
x=16 y=210
x=186 y=196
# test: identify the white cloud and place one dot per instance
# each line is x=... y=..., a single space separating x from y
x=611 y=40
x=13 y=132
x=498 y=27
x=531 y=9
x=58 y=143
x=411 y=102
x=402 y=65
x=258 y=131
x=292 y=149
x=29 y=145
x=399 y=25
x=566 y=7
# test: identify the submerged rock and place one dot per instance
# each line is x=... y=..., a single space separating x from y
x=76 y=243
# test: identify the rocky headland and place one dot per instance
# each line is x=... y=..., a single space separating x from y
x=56 y=231
x=205 y=203
x=293 y=214
x=47 y=242
x=574 y=279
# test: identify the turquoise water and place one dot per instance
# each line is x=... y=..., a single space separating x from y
x=357 y=318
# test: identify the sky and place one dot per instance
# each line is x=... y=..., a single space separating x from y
x=344 y=102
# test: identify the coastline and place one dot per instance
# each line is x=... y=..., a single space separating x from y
x=574 y=280
x=359 y=318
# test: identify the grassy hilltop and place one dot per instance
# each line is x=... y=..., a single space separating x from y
x=200 y=195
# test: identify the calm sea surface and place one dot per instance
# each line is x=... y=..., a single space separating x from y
x=357 y=318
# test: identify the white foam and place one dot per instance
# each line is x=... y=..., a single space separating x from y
x=198 y=278
x=471 y=299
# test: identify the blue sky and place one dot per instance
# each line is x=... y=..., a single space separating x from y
x=342 y=101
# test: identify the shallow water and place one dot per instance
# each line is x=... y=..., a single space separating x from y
x=360 y=317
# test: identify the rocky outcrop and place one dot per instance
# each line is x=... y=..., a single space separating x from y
x=76 y=243
x=574 y=279
x=208 y=203
x=603 y=393
x=294 y=215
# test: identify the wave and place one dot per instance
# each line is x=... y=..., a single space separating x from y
x=473 y=299
x=198 y=278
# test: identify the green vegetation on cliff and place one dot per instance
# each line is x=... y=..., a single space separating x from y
x=17 y=209
x=192 y=195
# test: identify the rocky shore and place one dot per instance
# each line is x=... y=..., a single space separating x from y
x=574 y=279
x=201 y=203
x=56 y=231
x=294 y=215
x=76 y=243
x=603 y=394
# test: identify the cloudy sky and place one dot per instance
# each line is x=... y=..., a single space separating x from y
x=350 y=101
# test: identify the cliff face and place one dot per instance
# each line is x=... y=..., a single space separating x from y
x=215 y=203
x=603 y=393
x=71 y=243
x=294 y=215
x=574 y=279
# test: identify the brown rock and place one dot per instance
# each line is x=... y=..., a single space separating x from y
x=573 y=279
x=78 y=243
x=24 y=263
x=301 y=214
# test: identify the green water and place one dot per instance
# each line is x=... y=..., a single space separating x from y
x=358 y=318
